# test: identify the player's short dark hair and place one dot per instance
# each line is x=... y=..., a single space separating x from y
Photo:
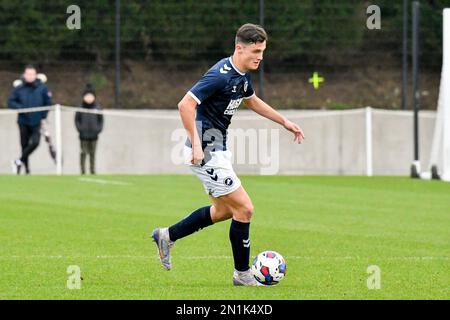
x=30 y=66
x=251 y=33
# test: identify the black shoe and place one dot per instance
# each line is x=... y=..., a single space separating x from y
x=434 y=173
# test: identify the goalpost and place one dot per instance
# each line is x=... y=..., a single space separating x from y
x=439 y=165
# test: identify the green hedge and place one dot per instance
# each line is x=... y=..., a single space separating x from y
x=309 y=31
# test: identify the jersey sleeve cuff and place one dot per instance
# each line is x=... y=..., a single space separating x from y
x=250 y=96
x=194 y=97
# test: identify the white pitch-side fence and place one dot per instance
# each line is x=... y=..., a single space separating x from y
x=362 y=141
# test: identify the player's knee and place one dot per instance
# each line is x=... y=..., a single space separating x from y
x=247 y=210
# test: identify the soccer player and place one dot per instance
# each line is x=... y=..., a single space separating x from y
x=206 y=111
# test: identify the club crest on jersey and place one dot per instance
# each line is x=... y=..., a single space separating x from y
x=234 y=89
x=245 y=86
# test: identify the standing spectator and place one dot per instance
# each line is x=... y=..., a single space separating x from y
x=89 y=126
x=30 y=92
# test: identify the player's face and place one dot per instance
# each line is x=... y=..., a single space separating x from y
x=252 y=54
x=29 y=75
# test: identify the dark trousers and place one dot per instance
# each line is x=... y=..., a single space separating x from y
x=88 y=148
x=29 y=140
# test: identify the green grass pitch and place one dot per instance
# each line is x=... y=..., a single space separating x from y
x=329 y=229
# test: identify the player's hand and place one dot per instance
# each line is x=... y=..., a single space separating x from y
x=299 y=136
x=197 y=155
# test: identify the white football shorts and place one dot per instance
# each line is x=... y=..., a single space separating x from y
x=217 y=175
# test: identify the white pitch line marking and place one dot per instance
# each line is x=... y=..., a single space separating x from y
x=101 y=181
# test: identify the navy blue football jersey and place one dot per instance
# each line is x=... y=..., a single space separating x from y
x=218 y=94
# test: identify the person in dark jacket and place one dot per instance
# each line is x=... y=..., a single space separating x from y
x=89 y=126
x=29 y=93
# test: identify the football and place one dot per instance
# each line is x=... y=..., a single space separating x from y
x=269 y=268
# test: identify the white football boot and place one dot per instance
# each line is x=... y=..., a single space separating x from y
x=245 y=278
x=161 y=238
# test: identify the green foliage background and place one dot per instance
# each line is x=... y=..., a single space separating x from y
x=311 y=31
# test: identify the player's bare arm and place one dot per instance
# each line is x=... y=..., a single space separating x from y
x=260 y=107
x=187 y=110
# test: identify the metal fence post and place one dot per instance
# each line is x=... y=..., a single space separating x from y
x=117 y=58
x=405 y=56
x=58 y=136
x=415 y=172
x=261 y=66
x=369 y=136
